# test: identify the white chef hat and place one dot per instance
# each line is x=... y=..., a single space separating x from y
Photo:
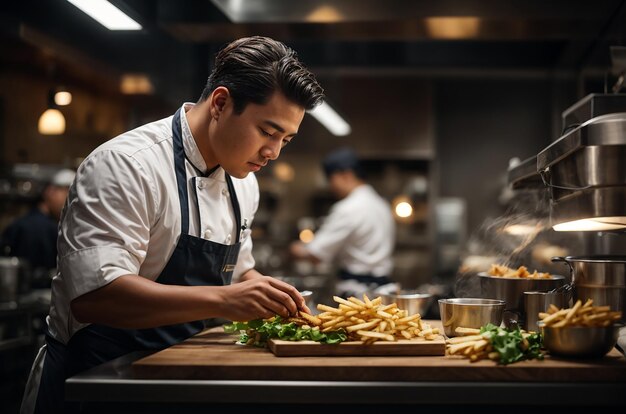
x=63 y=178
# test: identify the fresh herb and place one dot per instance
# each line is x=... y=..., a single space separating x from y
x=258 y=331
x=513 y=345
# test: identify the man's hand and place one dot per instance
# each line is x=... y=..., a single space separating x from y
x=260 y=297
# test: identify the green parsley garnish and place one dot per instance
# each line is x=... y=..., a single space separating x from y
x=512 y=344
x=258 y=331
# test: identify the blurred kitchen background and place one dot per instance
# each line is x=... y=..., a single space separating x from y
x=441 y=98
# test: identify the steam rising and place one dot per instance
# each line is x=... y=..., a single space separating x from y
x=520 y=236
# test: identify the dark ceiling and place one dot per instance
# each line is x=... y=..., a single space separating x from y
x=180 y=37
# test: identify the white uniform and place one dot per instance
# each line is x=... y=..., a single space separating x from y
x=123 y=217
x=359 y=233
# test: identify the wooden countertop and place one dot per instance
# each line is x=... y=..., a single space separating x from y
x=213 y=355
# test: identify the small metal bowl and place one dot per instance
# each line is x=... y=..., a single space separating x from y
x=580 y=341
x=409 y=300
x=469 y=313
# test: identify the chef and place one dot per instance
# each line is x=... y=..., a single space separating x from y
x=358 y=233
x=157 y=222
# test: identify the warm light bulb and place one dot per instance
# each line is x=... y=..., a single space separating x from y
x=51 y=122
x=404 y=209
x=307 y=236
x=63 y=98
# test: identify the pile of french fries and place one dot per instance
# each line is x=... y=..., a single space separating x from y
x=370 y=321
x=471 y=344
x=580 y=315
x=519 y=273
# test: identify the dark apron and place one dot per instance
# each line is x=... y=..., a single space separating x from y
x=195 y=262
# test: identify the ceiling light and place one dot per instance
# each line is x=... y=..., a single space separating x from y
x=62 y=98
x=136 y=85
x=452 y=27
x=106 y=14
x=51 y=122
x=324 y=14
x=330 y=119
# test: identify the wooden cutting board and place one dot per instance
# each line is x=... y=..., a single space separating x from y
x=404 y=347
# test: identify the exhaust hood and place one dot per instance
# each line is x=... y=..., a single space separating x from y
x=585 y=169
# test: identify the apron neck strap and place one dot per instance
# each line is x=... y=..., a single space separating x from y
x=181 y=180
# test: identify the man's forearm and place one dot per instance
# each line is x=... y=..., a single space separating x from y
x=135 y=302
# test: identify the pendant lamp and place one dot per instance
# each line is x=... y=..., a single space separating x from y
x=52 y=121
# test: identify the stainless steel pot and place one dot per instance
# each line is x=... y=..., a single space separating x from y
x=511 y=290
x=600 y=278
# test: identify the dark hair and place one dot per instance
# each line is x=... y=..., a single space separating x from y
x=253 y=68
x=342 y=159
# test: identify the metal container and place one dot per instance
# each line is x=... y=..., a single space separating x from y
x=586 y=175
x=469 y=313
x=411 y=301
x=511 y=290
x=9 y=279
x=535 y=302
x=308 y=297
x=600 y=278
x=580 y=341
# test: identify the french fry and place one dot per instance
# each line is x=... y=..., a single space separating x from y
x=463 y=339
x=580 y=315
x=466 y=331
x=370 y=334
x=312 y=319
x=453 y=349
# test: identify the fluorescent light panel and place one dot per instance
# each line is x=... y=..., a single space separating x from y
x=327 y=116
x=106 y=14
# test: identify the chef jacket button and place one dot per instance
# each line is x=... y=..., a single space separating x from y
x=224 y=192
x=208 y=233
x=228 y=238
x=200 y=184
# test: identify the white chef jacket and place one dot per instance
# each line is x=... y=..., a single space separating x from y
x=122 y=215
x=359 y=233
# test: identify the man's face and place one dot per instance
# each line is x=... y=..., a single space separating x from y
x=337 y=183
x=246 y=142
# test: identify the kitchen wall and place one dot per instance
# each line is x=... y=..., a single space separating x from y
x=482 y=123
x=459 y=133
x=90 y=120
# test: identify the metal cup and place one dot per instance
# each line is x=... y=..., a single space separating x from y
x=535 y=302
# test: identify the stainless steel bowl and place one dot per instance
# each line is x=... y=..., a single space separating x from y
x=580 y=341
x=409 y=300
x=600 y=278
x=469 y=313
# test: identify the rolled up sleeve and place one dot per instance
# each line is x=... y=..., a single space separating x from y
x=105 y=228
